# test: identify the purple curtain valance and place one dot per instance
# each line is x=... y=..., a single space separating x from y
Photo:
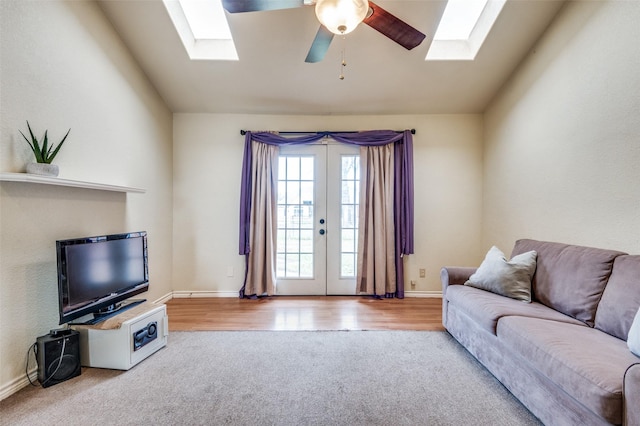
x=370 y=137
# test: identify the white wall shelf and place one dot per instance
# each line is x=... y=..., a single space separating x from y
x=47 y=180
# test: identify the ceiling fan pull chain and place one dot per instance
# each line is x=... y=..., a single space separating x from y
x=344 y=61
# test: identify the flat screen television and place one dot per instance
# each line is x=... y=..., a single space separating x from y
x=95 y=274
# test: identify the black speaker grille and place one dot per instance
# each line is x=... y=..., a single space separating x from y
x=63 y=369
x=58 y=357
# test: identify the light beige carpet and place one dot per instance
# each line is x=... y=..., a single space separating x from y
x=282 y=378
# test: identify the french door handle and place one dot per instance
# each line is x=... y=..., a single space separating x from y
x=322 y=232
x=321 y=221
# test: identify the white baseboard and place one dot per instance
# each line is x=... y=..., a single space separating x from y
x=164 y=298
x=17 y=384
x=434 y=294
x=185 y=294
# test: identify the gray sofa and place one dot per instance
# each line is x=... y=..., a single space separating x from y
x=564 y=355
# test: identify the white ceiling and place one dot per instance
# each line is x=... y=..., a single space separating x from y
x=381 y=77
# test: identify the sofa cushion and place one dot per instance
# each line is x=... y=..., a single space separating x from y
x=621 y=297
x=584 y=362
x=511 y=278
x=569 y=278
x=487 y=308
x=633 y=341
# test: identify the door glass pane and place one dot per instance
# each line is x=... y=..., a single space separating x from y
x=306 y=241
x=292 y=265
x=293 y=168
x=296 y=197
x=293 y=192
x=306 y=265
x=350 y=172
x=280 y=262
x=306 y=169
x=293 y=241
x=347 y=240
x=281 y=239
x=348 y=264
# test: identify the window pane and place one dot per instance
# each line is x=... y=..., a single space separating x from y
x=293 y=241
x=348 y=192
x=280 y=262
x=293 y=192
x=293 y=266
x=293 y=217
x=282 y=168
x=348 y=241
x=306 y=217
x=306 y=192
x=348 y=216
x=282 y=217
x=347 y=267
x=306 y=265
x=306 y=168
x=306 y=241
x=281 y=237
x=282 y=192
x=348 y=167
x=293 y=168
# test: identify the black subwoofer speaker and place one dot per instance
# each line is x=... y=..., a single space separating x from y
x=58 y=356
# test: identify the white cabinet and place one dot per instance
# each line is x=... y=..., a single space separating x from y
x=122 y=348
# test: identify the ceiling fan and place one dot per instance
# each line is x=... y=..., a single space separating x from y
x=362 y=11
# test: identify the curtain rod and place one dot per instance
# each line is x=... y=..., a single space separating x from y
x=244 y=132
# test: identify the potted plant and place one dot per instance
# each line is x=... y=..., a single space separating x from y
x=44 y=153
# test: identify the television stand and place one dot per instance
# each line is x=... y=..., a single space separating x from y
x=125 y=339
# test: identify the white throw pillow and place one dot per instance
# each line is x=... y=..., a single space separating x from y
x=511 y=278
x=633 y=341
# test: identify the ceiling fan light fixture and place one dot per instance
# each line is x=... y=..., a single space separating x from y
x=341 y=16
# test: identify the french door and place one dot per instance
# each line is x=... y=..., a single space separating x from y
x=317 y=239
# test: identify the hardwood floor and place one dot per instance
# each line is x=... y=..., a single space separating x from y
x=305 y=313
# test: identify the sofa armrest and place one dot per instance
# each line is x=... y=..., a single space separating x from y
x=452 y=275
x=631 y=395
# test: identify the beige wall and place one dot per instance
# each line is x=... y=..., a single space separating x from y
x=562 y=154
x=207 y=161
x=63 y=66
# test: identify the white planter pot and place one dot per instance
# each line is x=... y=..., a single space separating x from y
x=43 y=169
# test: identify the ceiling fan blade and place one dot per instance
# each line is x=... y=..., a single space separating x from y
x=393 y=27
x=239 y=6
x=320 y=45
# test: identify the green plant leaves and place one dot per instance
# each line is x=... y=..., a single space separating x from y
x=50 y=155
x=43 y=154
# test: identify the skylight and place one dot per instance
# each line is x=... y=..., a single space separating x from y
x=459 y=19
x=463 y=28
x=203 y=28
x=206 y=19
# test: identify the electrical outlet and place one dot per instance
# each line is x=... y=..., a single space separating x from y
x=423 y=272
x=413 y=283
x=230 y=271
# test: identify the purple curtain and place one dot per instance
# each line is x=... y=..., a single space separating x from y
x=403 y=198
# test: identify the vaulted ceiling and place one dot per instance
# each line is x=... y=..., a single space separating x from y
x=381 y=77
